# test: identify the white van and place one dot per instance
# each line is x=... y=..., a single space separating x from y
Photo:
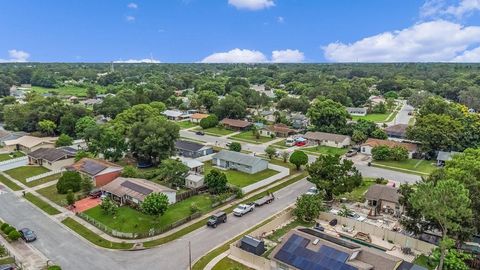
x=290 y=141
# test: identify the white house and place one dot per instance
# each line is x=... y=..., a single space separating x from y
x=366 y=147
x=327 y=139
x=357 y=111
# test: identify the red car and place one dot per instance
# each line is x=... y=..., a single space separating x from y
x=301 y=143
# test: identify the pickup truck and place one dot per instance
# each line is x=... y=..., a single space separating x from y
x=243 y=209
x=264 y=200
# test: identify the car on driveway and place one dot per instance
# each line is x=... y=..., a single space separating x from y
x=95 y=193
x=351 y=153
x=243 y=209
x=201 y=133
x=217 y=218
x=27 y=235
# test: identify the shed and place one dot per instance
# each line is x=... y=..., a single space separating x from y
x=252 y=245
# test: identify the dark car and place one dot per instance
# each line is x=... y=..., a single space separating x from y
x=8 y=267
x=217 y=218
x=95 y=193
x=27 y=235
x=201 y=133
x=351 y=153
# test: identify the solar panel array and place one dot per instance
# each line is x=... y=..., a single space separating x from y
x=296 y=253
x=92 y=168
x=136 y=187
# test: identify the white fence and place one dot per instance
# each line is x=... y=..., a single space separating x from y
x=43 y=175
x=13 y=163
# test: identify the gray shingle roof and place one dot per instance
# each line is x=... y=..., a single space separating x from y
x=237 y=157
x=188 y=145
x=50 y=154
x=320 y=136
x=382 y=192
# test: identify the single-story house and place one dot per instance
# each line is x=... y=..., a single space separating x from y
x=173 y=115
x=134 y=190
x=383 y=199
x=357 y=111
x=8 y=135
x=397 y=131
x=192 y=149
x=327 y=139
x=443 y=157
x=376 y=99
x=28 y=144
x=277 y=130
x=52 y=158
x=197 y=117
x=194 y=181
x=91 y=102
x=366 y=147
x=239 y=161
x=235 y=124
x=299 y=121
x=193 y=165
x=100 y=171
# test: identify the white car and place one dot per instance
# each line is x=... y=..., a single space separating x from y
x=312 y=191
x=243 y=209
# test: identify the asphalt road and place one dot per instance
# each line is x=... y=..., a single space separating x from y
x=402 y=116
x=67 y=250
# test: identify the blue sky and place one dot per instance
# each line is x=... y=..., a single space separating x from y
x=240 y=30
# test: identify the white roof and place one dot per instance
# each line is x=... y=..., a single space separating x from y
x=30 y=141
x=190 y=162
x=194 y=178
x=172 y=113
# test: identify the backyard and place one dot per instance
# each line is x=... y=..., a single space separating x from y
x=419 y=166
x=24 y=172
x=241 y=179
x=8 y=156
x=131 y=220
x=325 y=150
x=248 y=136
x=216 y=131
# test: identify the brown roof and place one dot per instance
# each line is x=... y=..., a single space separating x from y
x=399 y=128
x=382 y=192
x=319 y=136
x=282 y=128
x=377 y=142
x=235 y=123
x=94 y=167
x=199 y=116
x=31 y=141
x=134 y=187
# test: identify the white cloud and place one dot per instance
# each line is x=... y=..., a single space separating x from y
x=130 y=18
x=133 y=61
x=236 y=56
x=252 y=56
x=252 y=4
x=471 y=56
x=442 y=8
x=434 y=41
x=280 y=19
x=287 y=56
x=16 y=56
x=132 y=5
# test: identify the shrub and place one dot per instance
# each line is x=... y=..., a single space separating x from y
x=235 y=146
x=70 y=198
x=194 y=208
x=69 y=181
x=4 y=225
x=216 y=182
x=109 y=207
x=237 y=191
x=209 y=122
x=130 y=171
x=14 y=235
x=8 y=229
x=54 y=267
x=64 y=140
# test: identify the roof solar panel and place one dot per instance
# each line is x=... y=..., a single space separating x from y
x=137 y=188
x=93 y=168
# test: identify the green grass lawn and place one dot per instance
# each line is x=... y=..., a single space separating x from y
x=241 y=179
x=47 y=208
x=24 y=172
x=186 y=124
x=281 y=144
x=8 y=260
x=131 y=220
x=69 y=90
x=375 y=117
x=325 y=150
x=12 y=155
x=92 y=237
x=249 y=137
x=217 y=131
x=357 y=195
x=7 y=182
x=229 y=264
x=50 y=193
x=418 y=165
x=423 y=260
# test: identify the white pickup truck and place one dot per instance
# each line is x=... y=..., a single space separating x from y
x=243 y=209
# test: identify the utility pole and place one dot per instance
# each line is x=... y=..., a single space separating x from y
x=190 y=254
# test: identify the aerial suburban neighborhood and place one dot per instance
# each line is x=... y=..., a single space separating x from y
x=363 y=157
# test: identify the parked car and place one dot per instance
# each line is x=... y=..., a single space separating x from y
x=201 y=133
x=356 y=216
x=217 y=218
x=27 y=235
x=300 y=142
x=8 y=267
x=319 y=227
x=243 y=209
x=312 y=191
x=351 y=153
x=290 y=142
x=95 y=193
x=265 y=200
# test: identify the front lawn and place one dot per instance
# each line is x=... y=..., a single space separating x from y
x=51 y=193
x=241 y=179
x=229 y=264
x=186 y=124
x=217 y=131
x=325 y=150
x=374 y=117
x=8 y=156
x=24 y=172
x=357 y=195
x=420 y=166
x=247 y=136
x=281 y=144
x=130 y=220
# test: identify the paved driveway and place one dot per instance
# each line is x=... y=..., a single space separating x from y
x=65 y=249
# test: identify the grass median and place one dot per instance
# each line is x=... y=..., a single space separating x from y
x=9 y=183
x=47 y=208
